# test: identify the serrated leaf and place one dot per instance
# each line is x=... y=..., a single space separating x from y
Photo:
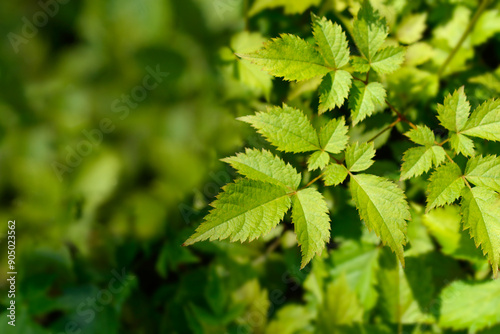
x=291 y=58
x=462 y=144
x=445 y=185
x=264 y=166
x=364 y=99
x=411 y=28
x=286 y=128
x=383 y=207
x=422 y=135
x=333 y=136
x=334 y=89
x=245 y=210
x=388 y=59
x=419 y=160
x=484 y=171
x=358 y=157
x=454 y=112
x=318 y=159
x=312 y=222
x=334 y=174
x=369 y=30
x=481 y=214
x=331 y=41
x=484 y=122
x=472 y=306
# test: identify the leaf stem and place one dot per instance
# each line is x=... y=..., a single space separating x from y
x=443 y=142
x=312 y=181
x=469 y=28
x=390 y=126
x=400 y=115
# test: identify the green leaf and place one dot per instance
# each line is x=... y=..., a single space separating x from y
x=422 y=135
x=286 y=128
x=445 y=185
x=332 y=43
x=290 y=6
x=264 y=166
x=411 y=29
x=388 y=59
x=369 y=30
x=484 y=171
x=340 y=307
x=481 y=214
x=334 y=89
x=312 y=222
x=454 y=112
x=383 y=207
x=290 y=319
x=485 y=121
x=333 y=136
x=462 y=144
x=334 y=174
x=318 y=159
x=418 y=160
x=245 y=210
x=290 y=57
x=364 y=99
x=358 y=157
x=471 y=306
x=360 y=64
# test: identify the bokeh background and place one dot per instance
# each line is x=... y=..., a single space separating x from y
x=114 y=116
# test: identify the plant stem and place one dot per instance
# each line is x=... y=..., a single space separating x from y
x=400 y=115
x=390 y=126
x=469 y=28
x=312 y=181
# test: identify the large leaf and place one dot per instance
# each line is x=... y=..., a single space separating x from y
x=383 y=207
x=470 y=306
x=481 y=214
x=290 y=57
x=445 y=185
x=312 y=222
x=245 y=210
x=332 y=43
x=286 y=128
x=369 y=30
x=264 y=166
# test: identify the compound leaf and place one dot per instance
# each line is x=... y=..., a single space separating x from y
x=383 y=207
x=286 y=128
x=312 y=222
x=245 y=210
x=264 y=166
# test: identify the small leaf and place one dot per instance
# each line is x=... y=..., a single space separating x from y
x=333 y=136
x=364 y=99
x=418 y=160
x=481 y=214
x=312 y=222
x=370 y=30
x=484 y=171
x=445 y=185
x=264 y=166
x=290 y=57
x=286 y=128
x=470 y=306
x=245 y=210
x=318 y=159
x=388 y=59
x=332 y=43
x=462 y=144
x=485 y=121
x=454 y=112
x=334 y=174
x=383 y=207
x=334 y=89
x=422 y=135
x=359 y=157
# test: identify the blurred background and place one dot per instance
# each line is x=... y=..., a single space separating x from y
x=113 y=118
